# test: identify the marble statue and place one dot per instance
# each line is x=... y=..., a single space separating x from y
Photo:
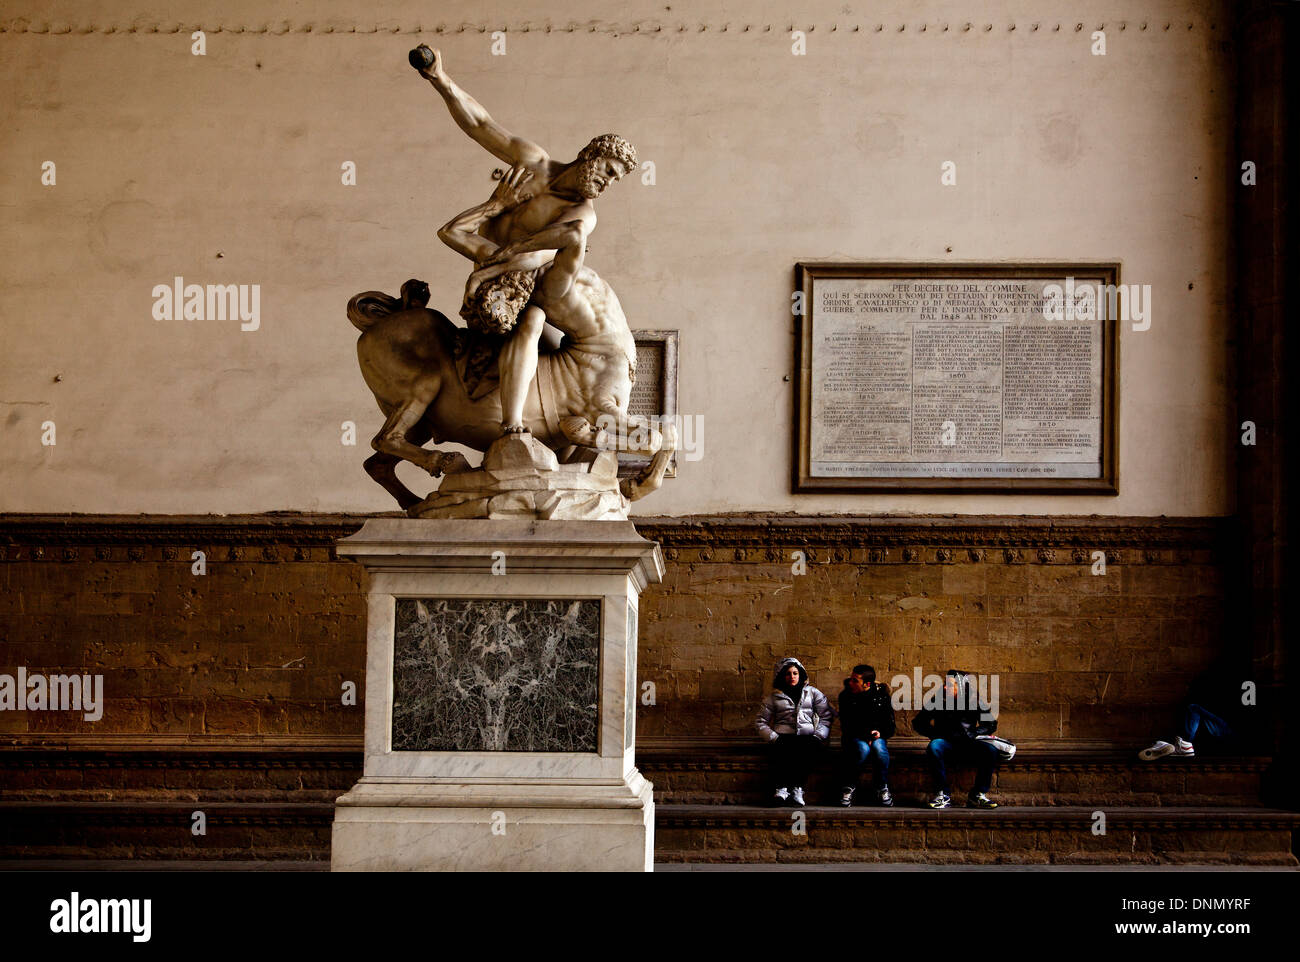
x=549 y=421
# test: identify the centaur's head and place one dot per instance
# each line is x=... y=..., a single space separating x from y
x=494 y=306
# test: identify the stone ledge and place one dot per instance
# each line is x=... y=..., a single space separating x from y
x=178 y=746
x=734 y=772
x=236 y=863
x=154 y=812
x=1008 y=835
x=815 y=856
x=745 y=754
x=1006 y=816
x=752 y=530
x=299 y=831
x=20 y=534
x=674 y=754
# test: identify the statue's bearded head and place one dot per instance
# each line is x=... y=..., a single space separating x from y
x=494 y=306
x=603 y=161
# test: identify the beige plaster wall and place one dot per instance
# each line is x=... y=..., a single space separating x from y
x=225 y=168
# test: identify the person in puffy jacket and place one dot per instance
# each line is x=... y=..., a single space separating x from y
x=796 y=721
x=953 y=729
x=866 y=721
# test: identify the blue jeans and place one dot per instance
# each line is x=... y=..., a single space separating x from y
x=1197 y=718
x=855 y=752
x=984 y=755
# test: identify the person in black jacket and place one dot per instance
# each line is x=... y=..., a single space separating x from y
x=1220 y=707
x=953 y=728
x=866 y=721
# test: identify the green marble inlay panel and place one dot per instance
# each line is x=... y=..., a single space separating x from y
x=475 y=674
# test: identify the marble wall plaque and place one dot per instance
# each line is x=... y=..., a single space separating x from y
x=956 y=375
x=491 y=674
x=647 y=396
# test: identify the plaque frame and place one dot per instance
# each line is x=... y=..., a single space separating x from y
x=807 y=272
x=631 y=465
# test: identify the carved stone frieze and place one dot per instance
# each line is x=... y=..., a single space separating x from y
x=749 y=538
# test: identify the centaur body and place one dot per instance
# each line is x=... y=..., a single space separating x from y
x=435 y=381
x=421 y=368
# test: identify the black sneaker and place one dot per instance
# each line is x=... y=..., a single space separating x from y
x=941 y=800
x=884 y=798
x=980 y=800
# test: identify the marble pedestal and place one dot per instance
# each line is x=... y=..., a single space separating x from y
x=500 y=698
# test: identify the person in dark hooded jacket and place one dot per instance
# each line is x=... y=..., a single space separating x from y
x=953 y=728
x=866 y=721
x=796 y=720
x=1220 y=708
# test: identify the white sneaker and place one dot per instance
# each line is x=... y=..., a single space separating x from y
x=796 y=796
x=1158 y=750
x=846 y=797
x=782 y=796
x=1182 y=747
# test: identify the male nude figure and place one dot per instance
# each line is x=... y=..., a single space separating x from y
x=563 y=290
x=558 y=215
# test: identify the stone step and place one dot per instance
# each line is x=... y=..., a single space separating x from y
x=299 y=832
x=287 y=830
x=697 y=772
x=278 y=806
x=83 y=773
x=683 y=771
x=1008 y=835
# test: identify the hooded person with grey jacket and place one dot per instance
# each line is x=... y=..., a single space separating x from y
x=796 y=721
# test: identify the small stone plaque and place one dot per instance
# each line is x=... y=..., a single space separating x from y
x=654 y=392
x=648 y=390
x=492 y=674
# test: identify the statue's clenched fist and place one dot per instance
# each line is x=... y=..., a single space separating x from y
x=427 y=61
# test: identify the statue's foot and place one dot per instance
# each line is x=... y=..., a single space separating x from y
x=507 y=429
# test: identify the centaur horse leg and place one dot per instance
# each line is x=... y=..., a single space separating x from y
x=382 y=468
x=644 y=438
x=634 y=434
x=400 y=430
